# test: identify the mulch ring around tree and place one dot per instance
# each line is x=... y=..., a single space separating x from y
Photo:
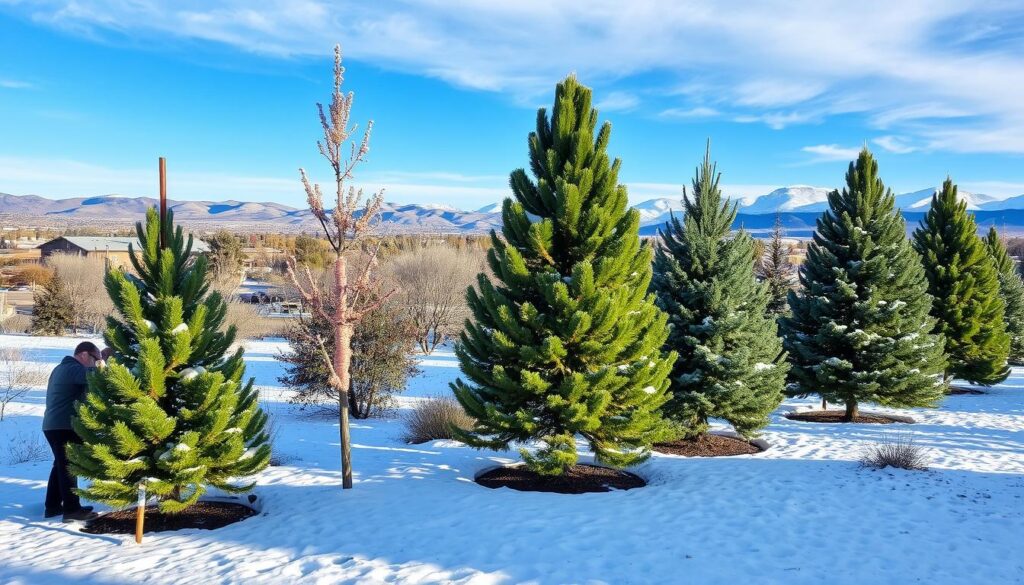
x=839 y=416
x=578 y=479
x=202 y=515
x=958 y=390
x=708 y=445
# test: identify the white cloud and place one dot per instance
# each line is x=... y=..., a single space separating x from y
x=894 y=144
x=831 y=152
x=689 y=113
x=15 y=84
x=618 y=101
x=806 y=56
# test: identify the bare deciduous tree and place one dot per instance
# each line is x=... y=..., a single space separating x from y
x=83 y=278
x=16 y=377
x=433 y=281
x=352 y=295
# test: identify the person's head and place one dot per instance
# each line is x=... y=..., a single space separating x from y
x=87 y=353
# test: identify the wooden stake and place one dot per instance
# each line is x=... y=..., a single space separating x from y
x=140 y=511
x=163 y=200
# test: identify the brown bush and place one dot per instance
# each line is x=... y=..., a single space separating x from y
x=31 y=274
x=432 y=284
x=899 y=451
x=433 y=419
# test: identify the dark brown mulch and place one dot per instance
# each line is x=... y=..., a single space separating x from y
x=203 y=515
x=958 y=390
x=579 y=479
x=708 y=445
x=837 y=416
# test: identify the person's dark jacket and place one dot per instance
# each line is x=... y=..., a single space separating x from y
x=66 y=386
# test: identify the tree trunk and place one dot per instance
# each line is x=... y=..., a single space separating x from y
x=342 y=362
x=851 y=410
x=824 y=403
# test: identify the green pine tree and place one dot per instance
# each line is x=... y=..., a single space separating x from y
x=860 y=328
x=53 y=309
x=731 y=364
x=775 y=270
x=169 y=411
x=565 y=340
x=1011 y=287
x=964 y=283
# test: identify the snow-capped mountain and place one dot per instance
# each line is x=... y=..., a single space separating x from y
x=658 y=209
x=119 y=210
x=794 y=198
x=921 y=200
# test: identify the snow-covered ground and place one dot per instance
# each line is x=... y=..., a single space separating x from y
x=803 y=512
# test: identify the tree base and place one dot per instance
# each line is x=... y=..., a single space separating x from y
x=839 y=416
x=708 y=445
x=201 y=515
x=962 y=390
x=578 y=479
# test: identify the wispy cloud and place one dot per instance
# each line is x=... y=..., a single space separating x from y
x=895 y=144
x=618 y=101
x=779 y=62
x=688 y=113
x=831 y=152
x=15 y=84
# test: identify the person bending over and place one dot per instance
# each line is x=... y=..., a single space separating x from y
x=67 y=385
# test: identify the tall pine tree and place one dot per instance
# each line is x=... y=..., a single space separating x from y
x=53 y=309
x=170 y=411
x=566 y=341
x=731 y=363
x=963 y=280
x=775 y=270
x=860 y=328
x=1011 y=288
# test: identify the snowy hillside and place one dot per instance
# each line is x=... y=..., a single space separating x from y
x=795 y=198
x=804 y=512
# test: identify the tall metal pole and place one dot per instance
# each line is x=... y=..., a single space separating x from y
x=163 y=200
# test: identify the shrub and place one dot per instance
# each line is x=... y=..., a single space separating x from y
x=16 y=323
x=25 y=448
x=382 y=362
x=16 y=377
x=433 y=419
x=898 y=452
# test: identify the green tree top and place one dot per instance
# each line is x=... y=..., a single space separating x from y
x=963 y=280
x=565 y=340
x=169 y=411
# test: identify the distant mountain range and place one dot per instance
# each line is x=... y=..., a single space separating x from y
x=798 y=205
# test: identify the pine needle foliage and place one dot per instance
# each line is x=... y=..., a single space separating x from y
x=776 y=271
x=731 y=364
x=859 y=328
x=169 y=411
x=1011 y=288
x=565 y=341
x=964 y=283
x=53 y=309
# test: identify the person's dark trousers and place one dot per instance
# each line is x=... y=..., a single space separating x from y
x=60 y=493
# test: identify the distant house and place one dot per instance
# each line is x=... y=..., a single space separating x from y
x=113 y=249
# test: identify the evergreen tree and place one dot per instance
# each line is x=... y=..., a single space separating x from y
x=1011 y=288
x=964 y=283
x=169 y=411
x=53 y=309
x=731 y=363
x=566 y=341
x=775 y=270
x=860 y=328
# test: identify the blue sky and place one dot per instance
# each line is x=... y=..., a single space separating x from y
x=92 y=92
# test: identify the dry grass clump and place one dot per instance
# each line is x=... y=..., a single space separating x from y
x=433 y=419
x=899 y=451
